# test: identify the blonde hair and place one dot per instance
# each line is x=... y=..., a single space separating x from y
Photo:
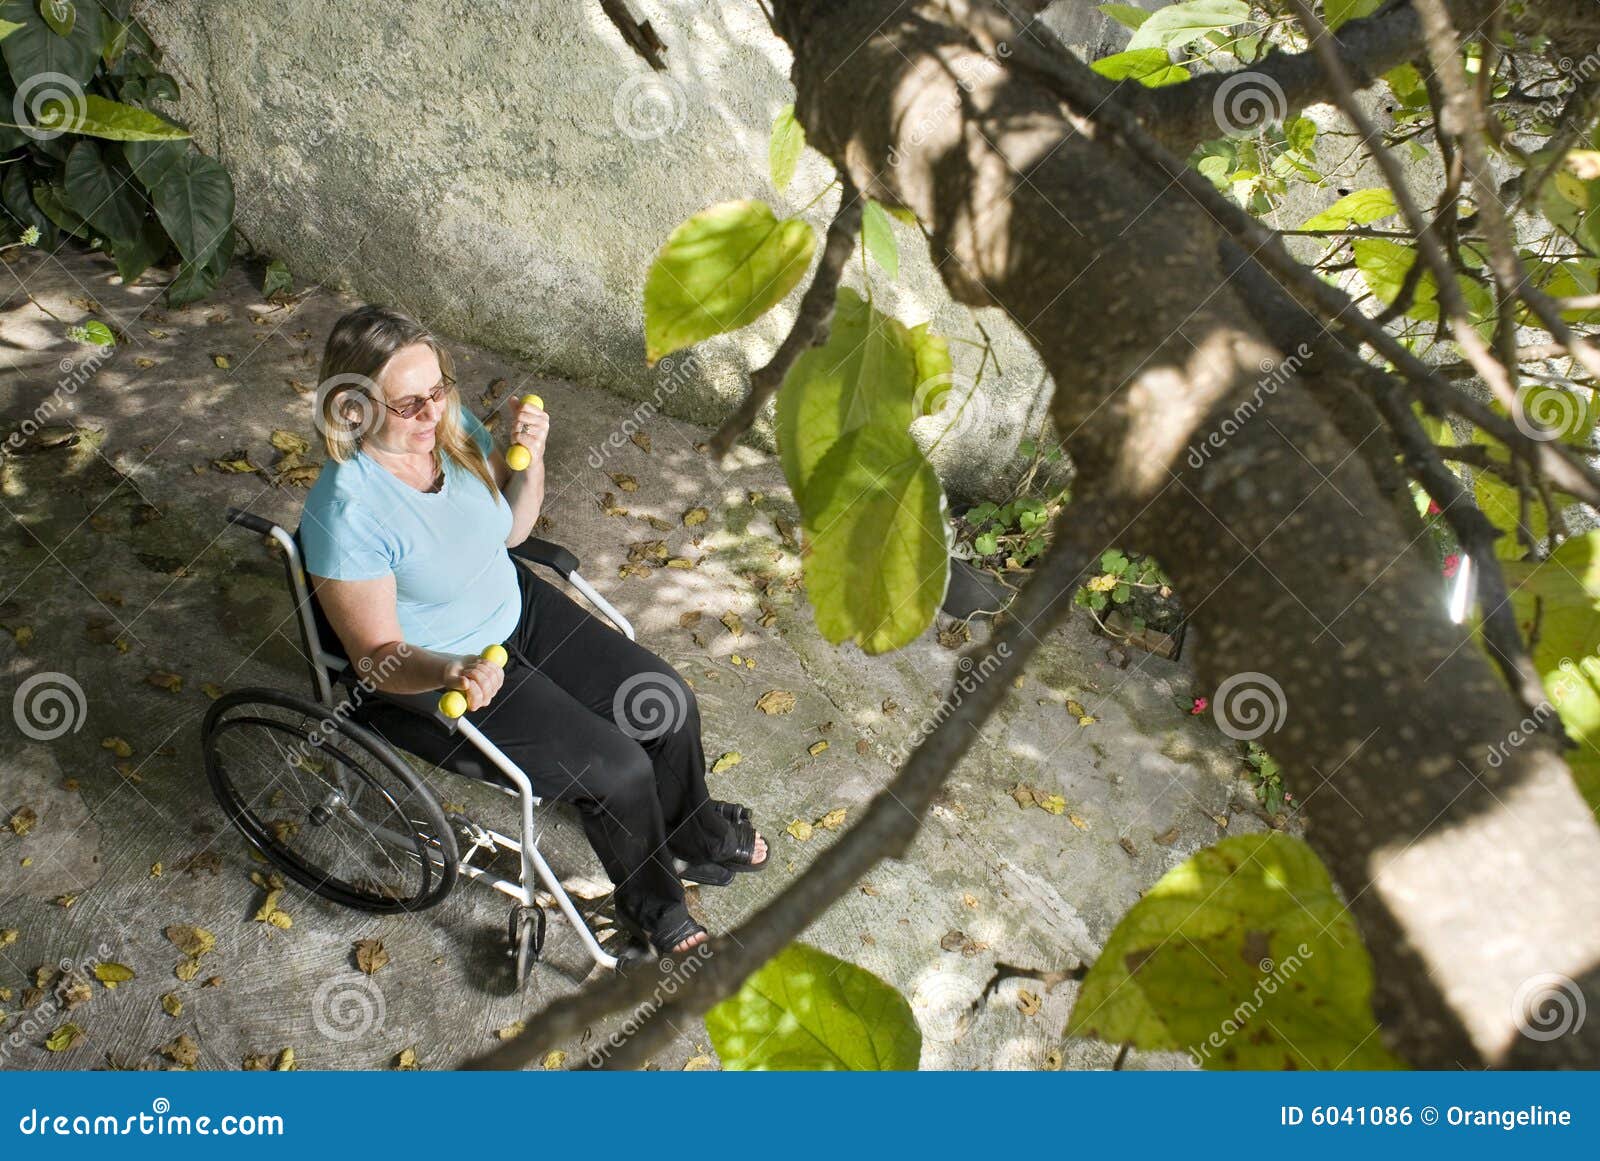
x=361 y=343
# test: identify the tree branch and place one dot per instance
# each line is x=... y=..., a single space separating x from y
x=1181 y=116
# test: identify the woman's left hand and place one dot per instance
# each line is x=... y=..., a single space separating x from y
x=530 y=426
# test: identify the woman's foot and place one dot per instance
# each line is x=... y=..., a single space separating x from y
x=693 y=941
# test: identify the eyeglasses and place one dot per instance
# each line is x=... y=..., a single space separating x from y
x=413 y=406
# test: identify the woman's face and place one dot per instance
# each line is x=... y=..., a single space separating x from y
x=410 y=373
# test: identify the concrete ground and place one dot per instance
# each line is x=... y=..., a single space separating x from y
x=118 y=573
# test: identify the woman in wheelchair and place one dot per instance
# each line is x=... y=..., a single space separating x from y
x=406 y=535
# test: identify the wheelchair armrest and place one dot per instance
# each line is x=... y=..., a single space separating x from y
x=425 y=704
x=548 y=553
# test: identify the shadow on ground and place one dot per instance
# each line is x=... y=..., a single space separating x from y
x=117 y=570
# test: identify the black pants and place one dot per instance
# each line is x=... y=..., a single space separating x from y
x=600 y=721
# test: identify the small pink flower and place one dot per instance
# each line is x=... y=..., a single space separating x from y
x=1452 y=563
x=1433 y=508
x=1200 y=704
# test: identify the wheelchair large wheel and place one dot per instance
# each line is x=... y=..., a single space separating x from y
x=328 y=801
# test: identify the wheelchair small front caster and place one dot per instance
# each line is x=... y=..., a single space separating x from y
x=526 y=928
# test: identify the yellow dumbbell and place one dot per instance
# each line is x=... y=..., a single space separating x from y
x=517 y=456
x=454 y=703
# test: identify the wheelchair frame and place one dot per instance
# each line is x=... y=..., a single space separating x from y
x=329 y=670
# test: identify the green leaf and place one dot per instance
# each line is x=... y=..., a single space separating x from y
x=102 y=194
x=1336 y=12
x=719 y=271
x=137 y=255
x=96 y=332
x=96 y=116
x=1301 y=133
x=60 y=15
x=784 y=149
x=1125 y=14
x=865 y=374
x=1383 y=264
x=18 y=200
x=1242 y=956
x=63 y=1038
x=150 y=160
x=1215 y=169
x=986 y=544
x=1149 y=66
x=1113 y=560
x=934 y=371
x=878 y=236
x=36 y=48
x=1561 y=596
x=1407 y=85
x=804 y=1009
x=1359 y=208
x=278 y=279
x=1178 y=24
x=878 y=547
x=48 y=198
x=195 y=280
x=1120 y=594
x=194 y=200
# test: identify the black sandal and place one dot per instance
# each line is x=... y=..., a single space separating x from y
x=675 y=926
x=715 y=873
x=744 y=849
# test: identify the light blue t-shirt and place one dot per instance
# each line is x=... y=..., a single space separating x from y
x=455 y=583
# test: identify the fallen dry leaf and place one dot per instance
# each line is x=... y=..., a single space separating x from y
x=775 y=701
x=833 y=820
x=800 y=830
x=733 y=622
x=816 y=748
x=192 y=941
x=370 y=955
x=1027 y=1003
x=407 y=1060
x=695 y=516
x=730 y=759
x=182 y=1050
x=554 y=1059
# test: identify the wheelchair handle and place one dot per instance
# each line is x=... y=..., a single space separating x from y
x=250 y=520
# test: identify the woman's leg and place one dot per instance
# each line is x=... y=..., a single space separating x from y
x=638 y=695
x=572 y=755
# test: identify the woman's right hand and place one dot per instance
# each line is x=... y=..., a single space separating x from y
x=479 y=679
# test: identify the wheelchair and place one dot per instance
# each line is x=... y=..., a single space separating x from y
x=329 y=801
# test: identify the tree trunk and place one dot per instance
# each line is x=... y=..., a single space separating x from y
x=1468 y=876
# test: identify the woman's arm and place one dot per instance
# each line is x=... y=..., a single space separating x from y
x=364 y=615
x=524 y=490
